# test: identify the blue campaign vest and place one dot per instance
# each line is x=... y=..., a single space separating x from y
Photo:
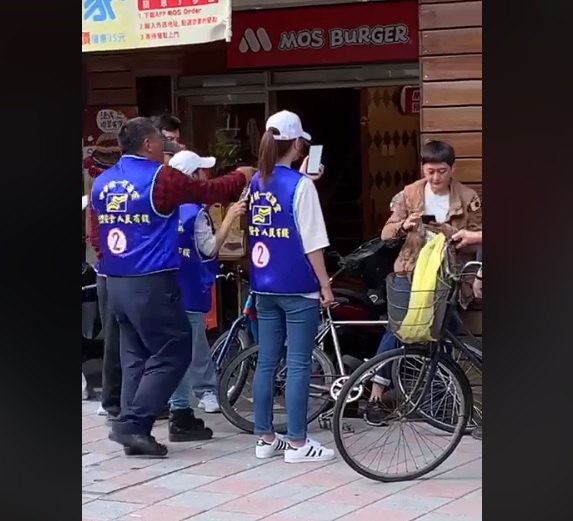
x=197 y=272
x=278 y=262
x=135 y=239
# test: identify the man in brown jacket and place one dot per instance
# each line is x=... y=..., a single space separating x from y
x=450 y=206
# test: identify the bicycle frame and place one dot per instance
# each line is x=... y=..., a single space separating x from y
x=438 y=349
x=239 y=323
x=330 y=325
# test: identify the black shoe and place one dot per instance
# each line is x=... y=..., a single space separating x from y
x=183 y=426
x=163 y=415
x=476 y=433
x=376 y=413
x=112 y=413
x=139 y=445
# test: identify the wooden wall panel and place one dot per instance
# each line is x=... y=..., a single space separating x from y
x=451 y=74
x=452 y=93
x=423 y=2
x=110 y=79
x=451 y=119
x=466 y=144
x=451 y=41
x=450 y=15
x=468 y=170
x=438 y=68
x=111 y=76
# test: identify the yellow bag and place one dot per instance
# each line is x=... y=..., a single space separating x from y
x=417 y=324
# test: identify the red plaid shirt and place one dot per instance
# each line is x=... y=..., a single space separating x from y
x=173 y=188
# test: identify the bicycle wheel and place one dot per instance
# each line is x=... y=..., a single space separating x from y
x=240 y=342
x=474 y=376
x=235 y=390
x=362 y=445
x=438 y=408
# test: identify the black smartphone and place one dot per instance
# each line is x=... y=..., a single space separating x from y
x=427 y=219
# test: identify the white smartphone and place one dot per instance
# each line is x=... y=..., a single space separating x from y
x=314 y=159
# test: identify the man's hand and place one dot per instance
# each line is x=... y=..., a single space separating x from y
x=248 y=172
x=465 y=238
x=412 y=221
x=444 y=228
x=236 y=210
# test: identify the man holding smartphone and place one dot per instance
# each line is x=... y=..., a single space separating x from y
x=437 y=203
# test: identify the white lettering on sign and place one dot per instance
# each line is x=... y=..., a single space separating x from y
x=336 y=38
x=366 y=35
x=311 y=39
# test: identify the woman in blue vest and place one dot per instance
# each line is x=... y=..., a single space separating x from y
x=199 y=246
x=287 y=236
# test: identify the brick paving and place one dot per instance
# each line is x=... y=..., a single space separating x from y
x=221 y=480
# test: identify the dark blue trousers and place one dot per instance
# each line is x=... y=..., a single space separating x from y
x=155 y=345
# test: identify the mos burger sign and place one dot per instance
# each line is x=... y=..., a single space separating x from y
x=358 y=33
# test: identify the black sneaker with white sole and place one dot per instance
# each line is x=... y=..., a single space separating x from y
x=376 y=413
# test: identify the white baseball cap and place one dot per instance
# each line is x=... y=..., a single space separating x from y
x=289 y=126
x=188 y=162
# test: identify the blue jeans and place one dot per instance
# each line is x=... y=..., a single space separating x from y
x=201 y=376
x=389 y=341
x=280 y=316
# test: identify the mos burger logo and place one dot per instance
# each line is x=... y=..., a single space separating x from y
x=256 y=40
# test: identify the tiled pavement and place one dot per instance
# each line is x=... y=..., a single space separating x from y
x=221 y=480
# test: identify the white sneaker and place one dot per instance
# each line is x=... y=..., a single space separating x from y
x=265 y=450
x=209 y=402
x=101 y=411
x=311 y=451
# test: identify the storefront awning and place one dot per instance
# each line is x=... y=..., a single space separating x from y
x=119 y=25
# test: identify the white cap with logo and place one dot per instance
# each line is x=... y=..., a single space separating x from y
x=189 y=162
x=289 y=126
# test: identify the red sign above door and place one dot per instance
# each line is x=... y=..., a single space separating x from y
x=358 y=33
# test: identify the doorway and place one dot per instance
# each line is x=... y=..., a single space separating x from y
x=332 y=118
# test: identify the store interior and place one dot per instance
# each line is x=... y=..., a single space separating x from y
x=370 y=147
x=331 y=116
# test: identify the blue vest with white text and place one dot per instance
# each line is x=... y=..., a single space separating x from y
x=197 y=272
x=134 y=238
x=278 y=262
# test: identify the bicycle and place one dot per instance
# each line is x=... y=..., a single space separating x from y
x=424 y=379
x=239 y=336
x=323 y=393
x=334 y=375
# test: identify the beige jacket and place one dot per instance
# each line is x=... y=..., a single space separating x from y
x=465 y=213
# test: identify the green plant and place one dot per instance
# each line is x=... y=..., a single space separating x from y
x=226 y=151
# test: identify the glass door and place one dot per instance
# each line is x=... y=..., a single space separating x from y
x=224 y=116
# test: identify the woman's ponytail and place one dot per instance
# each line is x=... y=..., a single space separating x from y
x=268 y=154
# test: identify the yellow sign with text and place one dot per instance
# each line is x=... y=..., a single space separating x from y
x=117 y=25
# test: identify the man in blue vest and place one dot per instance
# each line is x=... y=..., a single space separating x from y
x=137 y=203
x=199 y=245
